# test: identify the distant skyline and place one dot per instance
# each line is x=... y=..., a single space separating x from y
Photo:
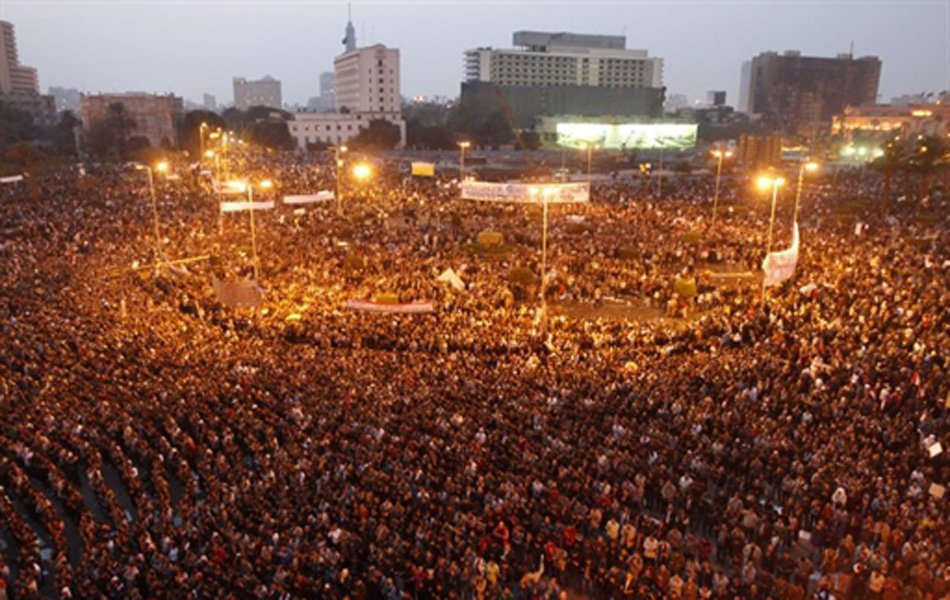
x=193 y=47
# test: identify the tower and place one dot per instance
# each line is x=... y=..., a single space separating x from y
x=350 y=40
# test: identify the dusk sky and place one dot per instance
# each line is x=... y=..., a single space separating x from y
x=194 y=46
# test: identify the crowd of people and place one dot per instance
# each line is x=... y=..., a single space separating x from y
x=156 y=443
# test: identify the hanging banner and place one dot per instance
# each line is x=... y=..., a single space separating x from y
x=321 y=196
x=423 y=169
x=224 y=188
x=11 y=179
x=780 y=266
x=239 y=206
x=407 y=308
x=526 y=193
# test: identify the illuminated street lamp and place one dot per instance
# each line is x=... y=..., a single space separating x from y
x=764 y=183
x=242 y=186
x=719 y=154
x=161 y=167
x=589 y=148
x=806 y=166
x=463 y=146
x=201 y=138
x=362 y=171
x=545 y=193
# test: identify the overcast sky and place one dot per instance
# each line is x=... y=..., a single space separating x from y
x=194 y=46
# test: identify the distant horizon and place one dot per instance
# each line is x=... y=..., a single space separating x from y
x=191 y=48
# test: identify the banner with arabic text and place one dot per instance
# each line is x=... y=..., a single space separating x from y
x=526 y=193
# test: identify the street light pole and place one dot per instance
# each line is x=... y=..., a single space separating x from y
x=544 y=259
x=201 y=140
x=807 y=166
x=250 y=199
x=162 y=166
x=764 y=183
x=337 y=152
x=719 y=154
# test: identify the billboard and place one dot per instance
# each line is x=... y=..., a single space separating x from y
x=423 y=169
x=628 y=136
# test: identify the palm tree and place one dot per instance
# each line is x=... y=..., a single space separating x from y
x=120 y=124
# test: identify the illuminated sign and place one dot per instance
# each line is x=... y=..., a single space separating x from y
x=616 y=136
x=921 y=113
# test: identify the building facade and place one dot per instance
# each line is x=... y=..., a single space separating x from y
x=334 y=128
x=367 y=80
x=564 y=59
x=156 y=117
x=261 y=92
x=19 y=84
x=790 y=91
x=885 y=120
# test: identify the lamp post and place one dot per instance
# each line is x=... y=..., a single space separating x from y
x=589 y=148
x=201 y=139
x=806 y=166
x=160 y=167
x=719 y=154
x=463 y=146
x=338 y=151
x=764 y=183
x=534 y=191
x=249 y=187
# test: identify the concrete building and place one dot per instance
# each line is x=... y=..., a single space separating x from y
x=885 y=120
x=745 y=75
x=326 y=101
x=19 y=84
x=209 y=102
x=790 y=91
x=260 y=92
x=334 y=128
x=367 y=80
x=555 y=59
x=65 y=99
x=716 y=98
x=156 y=117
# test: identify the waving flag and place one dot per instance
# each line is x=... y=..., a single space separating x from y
x=780 y=266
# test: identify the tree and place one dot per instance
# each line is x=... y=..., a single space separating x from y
x=191 y=128
x=433 y=137
x=15 y=125
x=494 y=131
x=272 y=133
x=889 y=163
x=379 y=135
x=924 y=156
x=120 y=126
x=66 y=130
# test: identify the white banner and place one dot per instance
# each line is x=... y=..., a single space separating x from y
x=321 y=196
x=526 y=193
x=11 y=179
x=407 y=308
x=223 y=188
x=779 y=266
x=239 y=206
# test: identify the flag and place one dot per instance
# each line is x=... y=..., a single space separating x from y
x=780 y=266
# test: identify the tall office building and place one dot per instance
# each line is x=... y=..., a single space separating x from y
x=550 y=59
x=209 y=102
x=19 y=84
x=66 y=98
x=260 y=92
x=789 y=90
x=745 y=74
x=367 y=80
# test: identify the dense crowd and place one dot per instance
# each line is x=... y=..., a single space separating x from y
x=155 y=443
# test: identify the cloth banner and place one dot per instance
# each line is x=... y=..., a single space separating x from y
x=239 y=206
x=407 y=308
x=11 y=179
x=779 y=266
x=423 y=169
x=222 y=188
x=321 y=196
x=450 y=277
x=526 y=193
x=237 y=293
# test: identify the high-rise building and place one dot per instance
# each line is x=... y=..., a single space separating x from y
x=716 y=98
x=19 y=84
x=156 y=117
x=209 y=102
x=367 y=80
x=789 y=90
x=65 y=98
x=261 y=92
x=549 y=59
x=326 y=101
x=745 y=74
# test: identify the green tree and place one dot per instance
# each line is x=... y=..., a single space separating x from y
x=433 y=137
x=120 y=126
x=494 y=131
x=889 y=163
x=380 y=135
x=15 y=125
x=924 y=156
x=66 y=132
x=272 y=133
x=191 y=129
